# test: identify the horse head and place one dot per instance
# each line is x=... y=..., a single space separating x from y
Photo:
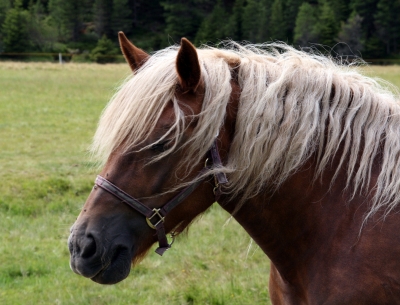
x=147 y=170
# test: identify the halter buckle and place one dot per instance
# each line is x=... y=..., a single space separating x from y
x=156 y=213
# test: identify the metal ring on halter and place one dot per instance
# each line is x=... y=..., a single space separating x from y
x=215 y=189
x=173 y=235
x=156 y=213
x=216 y=184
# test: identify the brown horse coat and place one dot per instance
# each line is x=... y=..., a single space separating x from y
x=329 y=223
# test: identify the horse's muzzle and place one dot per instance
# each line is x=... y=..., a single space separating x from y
x=92 y=259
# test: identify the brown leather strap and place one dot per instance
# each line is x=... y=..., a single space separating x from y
x=163 y=244
x=155 y=217
x=128 y=199
x=220 y=177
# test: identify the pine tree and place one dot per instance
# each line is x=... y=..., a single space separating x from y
x=213 y=27
x=73 y=18
x=182 y=19
x=147 y=24
x=67 y=18
x=387 y=23
x=234 y=27
x=102 y=10
x=277 y=22
x=367 y=9
x=327 y=25
x=263 y=22
x=251 y=17
x=148 y=14
x=121 y=17
x=305 y=31
x=86 y=10
x=376 y=29
x=56 y=17
x=350 y=36
x=5 y=5
x=341 y=9
x=290 y=13
x=42 y=36
x=104 y=51
x=14 y=29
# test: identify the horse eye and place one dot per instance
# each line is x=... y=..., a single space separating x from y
x=160 y=147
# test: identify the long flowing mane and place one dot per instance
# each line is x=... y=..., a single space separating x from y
x=292 y=105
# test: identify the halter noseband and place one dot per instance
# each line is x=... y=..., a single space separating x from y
x=155 y=217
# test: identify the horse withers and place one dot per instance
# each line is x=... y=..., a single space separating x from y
x=303 y=152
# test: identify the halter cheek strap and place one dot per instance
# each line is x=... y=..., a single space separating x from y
x=155 y=217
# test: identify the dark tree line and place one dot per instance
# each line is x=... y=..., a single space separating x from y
x=370 y=28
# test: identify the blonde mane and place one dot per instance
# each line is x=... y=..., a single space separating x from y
x=292 y=105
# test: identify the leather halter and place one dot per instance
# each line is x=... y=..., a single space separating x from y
x=155 y=217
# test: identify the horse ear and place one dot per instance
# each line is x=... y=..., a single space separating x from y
x=134 y=56
x=188 y=66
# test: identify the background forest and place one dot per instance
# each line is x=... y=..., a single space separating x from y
x=367 y=28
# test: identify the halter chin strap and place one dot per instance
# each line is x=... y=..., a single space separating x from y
x=155 y=217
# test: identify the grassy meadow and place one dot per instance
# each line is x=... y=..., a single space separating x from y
x=48 y=114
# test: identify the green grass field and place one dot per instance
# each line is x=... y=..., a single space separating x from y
x=48 y=114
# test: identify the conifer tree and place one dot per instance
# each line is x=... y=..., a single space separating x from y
x=67 y=18
x=147 y=14
x=5 y=5
x=121 y=17
x=277 y=22
x=263 y=22
x=86 y=10
x=56 y=17
x=104 y=51
x=387 y=23
x=102 y=11
x=41 y=34
x=305 y=30
x=73 y=18
x=182 y=19
x=327 y=26
x=291 y=9
x=234 y=28
x=213 y=27
x=14 y=29
x=367 y=9
x=341 y=9
x=157 y=23
x=251 y=18
x=350 y=36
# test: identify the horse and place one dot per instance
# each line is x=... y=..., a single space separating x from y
x=303 y=151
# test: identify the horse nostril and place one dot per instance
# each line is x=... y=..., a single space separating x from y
x=88 y=247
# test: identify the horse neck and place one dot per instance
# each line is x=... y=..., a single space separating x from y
x=300 y=217
x=289 y=222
